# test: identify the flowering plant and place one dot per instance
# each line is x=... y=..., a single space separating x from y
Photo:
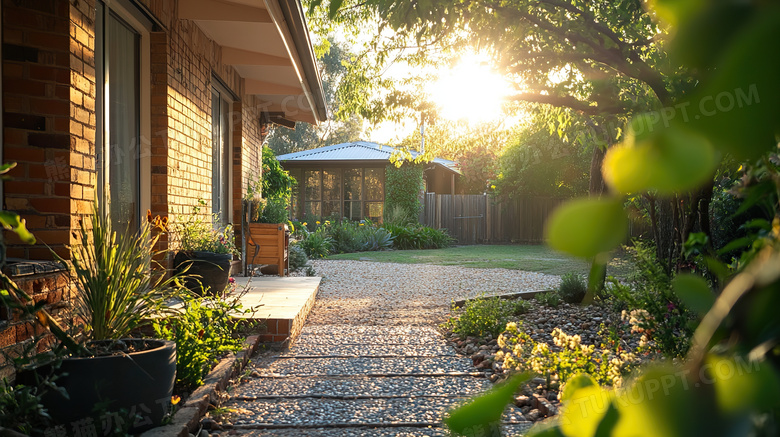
x=196 y=234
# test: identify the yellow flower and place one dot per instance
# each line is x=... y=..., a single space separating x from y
x=304 y=223
x=318 y=222
x=175 y=400
x=361 y=224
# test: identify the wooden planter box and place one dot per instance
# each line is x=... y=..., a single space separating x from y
x=273 y=240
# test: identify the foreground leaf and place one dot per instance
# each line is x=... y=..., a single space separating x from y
x=483 y=413
x=667 y=160
x=12 y=222
x=587 y=227
x=694 y=292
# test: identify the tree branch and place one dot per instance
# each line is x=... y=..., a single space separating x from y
x=571 y=103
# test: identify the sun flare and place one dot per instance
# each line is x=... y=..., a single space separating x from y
x=470 y=91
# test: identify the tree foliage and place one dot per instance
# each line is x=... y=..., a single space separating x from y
x=475 y=148
x=331 y=60
x=276 y=181
x=540 y=164
x=729 y=383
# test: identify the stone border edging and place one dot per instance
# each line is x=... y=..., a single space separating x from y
x=513 y=295
x=187 y=418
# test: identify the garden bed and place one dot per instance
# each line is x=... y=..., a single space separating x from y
x=599 y=325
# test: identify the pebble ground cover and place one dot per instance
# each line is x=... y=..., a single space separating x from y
x=372 y=360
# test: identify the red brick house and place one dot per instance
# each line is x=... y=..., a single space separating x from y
x=153 y=104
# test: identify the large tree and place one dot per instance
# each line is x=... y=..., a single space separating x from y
x=594 y=64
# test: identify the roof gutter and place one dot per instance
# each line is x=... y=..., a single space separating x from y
x=299 y=32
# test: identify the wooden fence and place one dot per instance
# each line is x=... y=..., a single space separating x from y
x=479 y=218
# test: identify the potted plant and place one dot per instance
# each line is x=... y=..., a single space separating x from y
x=115 y=292
x=205 y=251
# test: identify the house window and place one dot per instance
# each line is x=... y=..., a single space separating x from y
x=221 y=134
x=122 y=60
x=351 y=193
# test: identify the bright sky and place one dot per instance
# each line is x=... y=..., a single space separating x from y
x=470 y=91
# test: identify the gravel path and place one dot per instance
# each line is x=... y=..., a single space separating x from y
x=360 y=292
x=370 y=361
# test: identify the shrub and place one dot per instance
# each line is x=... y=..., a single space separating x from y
x=349 y=236
x=572 y=288
x=398 y=215
x=275 y=211
x=317 y=244
x=548 y=298
x=566 y=359
x=485 y=315
x=379 y=239
x=203 y=333
x=297 y=257
x=650 y=305
x=418 y=237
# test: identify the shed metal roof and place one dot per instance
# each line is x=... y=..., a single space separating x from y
x=356 y=151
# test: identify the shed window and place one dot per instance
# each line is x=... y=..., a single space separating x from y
x=351 y=193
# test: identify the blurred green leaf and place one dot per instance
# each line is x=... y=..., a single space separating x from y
x=5 y=168
x=736 y=244
x=701 y=36
x=737 y=106
x=743 y=385
x=608 y=422
x=576 y=383
x=482 y=413
x=12 y=222
x=587 y=227
x=584 y=410
x=694 y=293
x=665 y=160
x=675 y=12
x=663 y=402
x=333 y=8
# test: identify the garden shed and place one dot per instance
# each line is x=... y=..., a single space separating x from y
x=348 y=179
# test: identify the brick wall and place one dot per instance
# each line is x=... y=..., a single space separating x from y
x=37 y=119
x=16 y=333
x=49 y=114
x=184 y=64
x=50 y=119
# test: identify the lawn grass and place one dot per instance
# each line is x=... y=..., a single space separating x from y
x=532 y=258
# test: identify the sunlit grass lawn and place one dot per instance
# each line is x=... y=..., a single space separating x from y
x=532 y=258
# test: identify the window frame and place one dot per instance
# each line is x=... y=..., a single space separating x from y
x=363 y=201
x=135 y=19
x=227 y=128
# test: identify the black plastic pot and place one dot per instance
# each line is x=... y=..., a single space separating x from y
x=136 y=383
x=212 y=271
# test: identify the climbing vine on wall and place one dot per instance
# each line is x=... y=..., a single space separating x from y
x=403 y=185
